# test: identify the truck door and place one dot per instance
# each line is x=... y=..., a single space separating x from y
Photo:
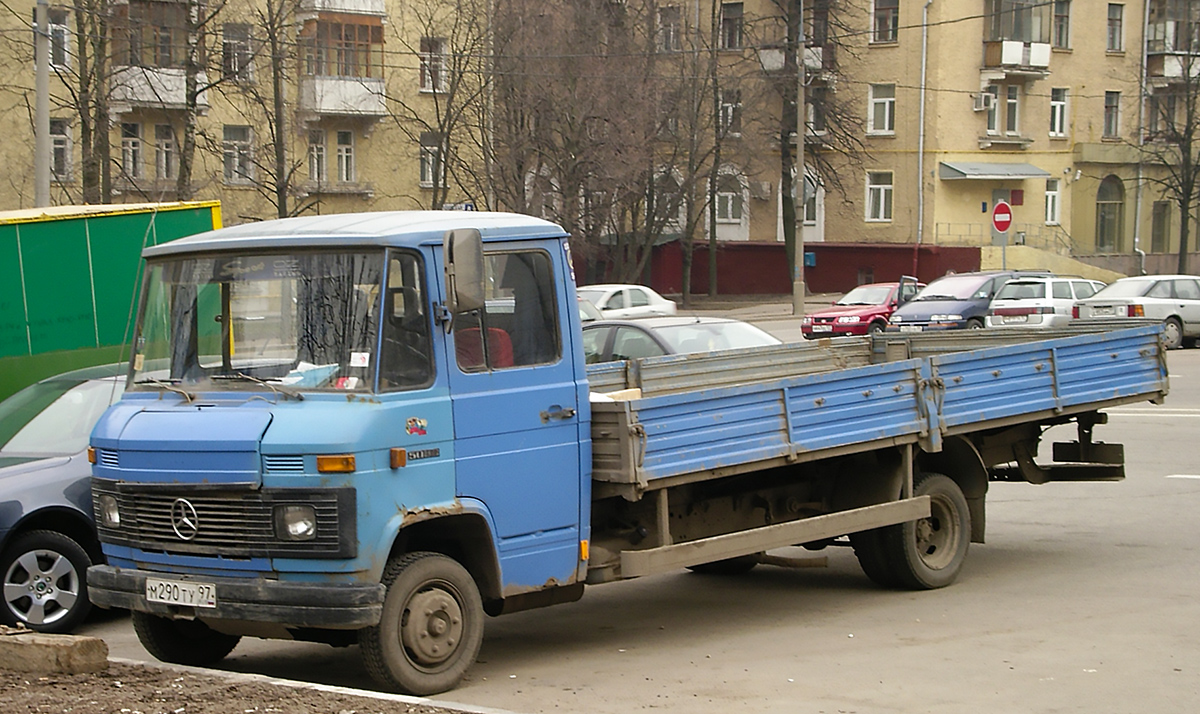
x=516 y=415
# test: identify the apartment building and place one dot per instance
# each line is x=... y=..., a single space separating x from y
x=920 y=115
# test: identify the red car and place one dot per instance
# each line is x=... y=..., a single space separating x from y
x=863 y=310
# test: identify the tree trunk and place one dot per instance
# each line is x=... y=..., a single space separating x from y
x=191 y=88
x=279 y=109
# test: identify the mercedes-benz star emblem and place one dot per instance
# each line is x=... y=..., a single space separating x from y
x=184 y=519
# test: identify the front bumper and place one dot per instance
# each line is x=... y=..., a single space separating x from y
x=324 y=605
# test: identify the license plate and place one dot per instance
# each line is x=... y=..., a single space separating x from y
x=910 y=328
x=1015 y=318
x=822 y=328
x=1106 y=310
x=175 y=592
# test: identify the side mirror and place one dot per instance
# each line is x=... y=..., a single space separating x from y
x=463 y=251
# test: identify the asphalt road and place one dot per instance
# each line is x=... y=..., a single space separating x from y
x=1084 y=599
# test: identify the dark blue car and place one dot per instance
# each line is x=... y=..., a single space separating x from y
x=47 y=535
x=955 y=301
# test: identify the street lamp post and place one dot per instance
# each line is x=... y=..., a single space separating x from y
x=799 y=184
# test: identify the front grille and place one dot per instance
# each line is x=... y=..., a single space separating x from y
x=281 y=464
x=235 y=524
x=108 y=458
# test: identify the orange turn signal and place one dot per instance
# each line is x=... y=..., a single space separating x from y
x=583 y=550
x=91 y=454
x=339 y=463
x=399 y=457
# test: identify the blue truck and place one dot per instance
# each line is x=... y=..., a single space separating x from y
x=376 y=429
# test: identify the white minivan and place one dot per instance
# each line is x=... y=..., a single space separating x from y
x=1039 y=302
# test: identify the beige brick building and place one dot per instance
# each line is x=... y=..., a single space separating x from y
x=956 y=105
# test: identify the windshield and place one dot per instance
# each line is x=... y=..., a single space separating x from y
x=953 y=287
x=54 y=418
x=1017 y=290
x=592 y=296
x=867 y=295
x=1125 y=288
x=270 y=320
x=711 y=336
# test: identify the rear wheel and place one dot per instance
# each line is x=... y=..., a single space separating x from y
x=924 y=554
x=1172 y=333
x=431 y=628
x=188 y=642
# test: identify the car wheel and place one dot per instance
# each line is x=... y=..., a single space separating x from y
x=45 y=582
x=1172 y=333
x=974 y=324
x=876 y=328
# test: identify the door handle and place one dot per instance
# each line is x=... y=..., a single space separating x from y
x=557 y=412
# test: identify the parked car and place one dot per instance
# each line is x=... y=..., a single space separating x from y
x=47 y=534
x=621 y=301
x=863 y=310
x=609 y=340
x=1174 y=299
x=587 y=311
x=1039 y=302
x=955 y=301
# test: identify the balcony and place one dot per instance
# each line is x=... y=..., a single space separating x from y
x=342 y=96
x=1007 y=59
x=152 y=88
x=351 y=7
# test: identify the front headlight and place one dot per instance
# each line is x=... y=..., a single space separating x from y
x=945 y=318
x=896 y=319
x=295 y=522
x=848 y=319
x=109 y=514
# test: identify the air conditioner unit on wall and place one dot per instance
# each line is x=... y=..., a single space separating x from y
x=984 y=101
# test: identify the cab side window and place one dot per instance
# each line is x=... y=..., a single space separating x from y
x=406 y=358
x=520 y=317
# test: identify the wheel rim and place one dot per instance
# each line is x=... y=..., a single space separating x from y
x=432 y=626
x=1172 y=333
x=937 y=538
x=41 y=587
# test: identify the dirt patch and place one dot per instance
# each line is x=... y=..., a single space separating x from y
x=129 y=689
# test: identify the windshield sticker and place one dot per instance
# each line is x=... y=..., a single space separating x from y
x=360 y=359
x=346 y=382
x=416 y=426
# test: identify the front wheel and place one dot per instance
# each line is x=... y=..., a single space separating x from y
x=974 y=324
x=431 y=628
x=924 y=554
x=188 y=642
x=45 y=586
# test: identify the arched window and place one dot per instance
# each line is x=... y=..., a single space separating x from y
x=1110 y=215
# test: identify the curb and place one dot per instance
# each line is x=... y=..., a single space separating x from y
x=294 y=684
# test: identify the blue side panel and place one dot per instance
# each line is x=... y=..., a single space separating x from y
x=735 y=425
x=1000 y=382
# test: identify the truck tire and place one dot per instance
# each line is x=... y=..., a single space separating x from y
x=729 y=566
x=868 y=548
x=45 y=582
x=928 y=553
x=431 y=628
x=189 y=642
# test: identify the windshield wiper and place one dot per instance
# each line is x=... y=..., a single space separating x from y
x=168 y=386
x=277 y=389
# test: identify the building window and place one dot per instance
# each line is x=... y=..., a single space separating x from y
x=131 y=150
x=238 y=154
x=1053 y=203
x=342 y=49
x=166 y=153
x=1061 y=35
x=1058 y=111
x=345 y=156
x=818 y=107
x=433 y=169
x=669 y=29
x=993 y=113
x=1160 y=227
x=731 y=112
x=731 y=25
x=316 y=156
x=151 y=34
x=1110 y=215
x=809 y=216
x=882 y=119
x=236 y=52
x=60 y=37
x=1116 y=30
x=1112 y=114
x=1160 y=114
x=433 y=64
x=1012 y=109
x=729 y=199
x=60 y=150
x=886 y=23
x=879 y=196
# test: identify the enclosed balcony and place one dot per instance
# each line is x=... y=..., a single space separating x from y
x=342 y=96
x=352 y=7
x=1172 y=51
x=1016 y=43
x=153 y=88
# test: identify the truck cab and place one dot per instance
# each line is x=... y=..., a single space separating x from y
x=307 y=407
